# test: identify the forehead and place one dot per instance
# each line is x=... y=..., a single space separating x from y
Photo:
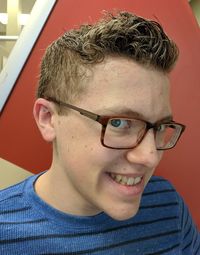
x=119 y=83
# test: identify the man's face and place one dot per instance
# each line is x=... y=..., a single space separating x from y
x=87 y=171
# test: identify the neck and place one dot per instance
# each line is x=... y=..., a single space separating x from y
x=55 y=189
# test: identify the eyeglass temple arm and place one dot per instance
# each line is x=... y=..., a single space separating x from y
x=86 y=113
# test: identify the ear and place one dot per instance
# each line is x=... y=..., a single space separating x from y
x=44 y=114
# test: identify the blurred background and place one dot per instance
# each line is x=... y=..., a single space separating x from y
x=14 y=16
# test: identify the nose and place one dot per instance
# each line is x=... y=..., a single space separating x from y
x=145 y=153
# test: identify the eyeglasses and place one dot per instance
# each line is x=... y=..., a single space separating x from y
x=126 y=133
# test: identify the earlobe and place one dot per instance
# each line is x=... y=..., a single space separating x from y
x=43 y=114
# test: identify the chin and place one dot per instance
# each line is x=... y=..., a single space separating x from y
x=123 y=214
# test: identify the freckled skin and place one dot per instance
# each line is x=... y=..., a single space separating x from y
x=77 y=176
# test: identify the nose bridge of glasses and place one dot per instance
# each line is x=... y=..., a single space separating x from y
x=150 y=125
x=149 y=129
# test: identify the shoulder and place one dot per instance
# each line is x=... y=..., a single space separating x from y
x=166 y=213
x=12 y=199
x=161 y=197
x=12 y=191
x=159 y=182
x=159 y=186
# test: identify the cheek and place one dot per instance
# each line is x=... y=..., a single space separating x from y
x=80 y=149
x=81 y=152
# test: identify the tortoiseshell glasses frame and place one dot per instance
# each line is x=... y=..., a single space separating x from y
x=134 y=130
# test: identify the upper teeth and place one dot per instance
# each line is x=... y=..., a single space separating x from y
x=126 y=180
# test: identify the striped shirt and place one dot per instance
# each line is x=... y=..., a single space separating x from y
x=162 y=225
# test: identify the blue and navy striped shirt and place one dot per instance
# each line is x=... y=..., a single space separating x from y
x=162 y=225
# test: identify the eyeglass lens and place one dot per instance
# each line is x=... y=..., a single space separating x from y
x=126 y=133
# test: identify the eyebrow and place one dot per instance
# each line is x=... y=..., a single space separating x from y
x=122 y=112
x=127 y=112
x=166 y=119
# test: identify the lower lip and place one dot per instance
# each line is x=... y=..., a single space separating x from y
x=126 y=190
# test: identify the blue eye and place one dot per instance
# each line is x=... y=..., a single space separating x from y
x=161 y=128
x=119 y=123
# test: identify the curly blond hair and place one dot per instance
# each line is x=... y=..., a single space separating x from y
x=66 y=60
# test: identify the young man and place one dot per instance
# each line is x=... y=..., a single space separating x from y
x=103 y=102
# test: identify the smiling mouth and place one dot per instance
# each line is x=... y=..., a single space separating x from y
x=125 y=180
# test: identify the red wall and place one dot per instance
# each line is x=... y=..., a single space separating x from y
x=20 y=141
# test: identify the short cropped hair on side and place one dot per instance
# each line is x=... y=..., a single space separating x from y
x=66 y=60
